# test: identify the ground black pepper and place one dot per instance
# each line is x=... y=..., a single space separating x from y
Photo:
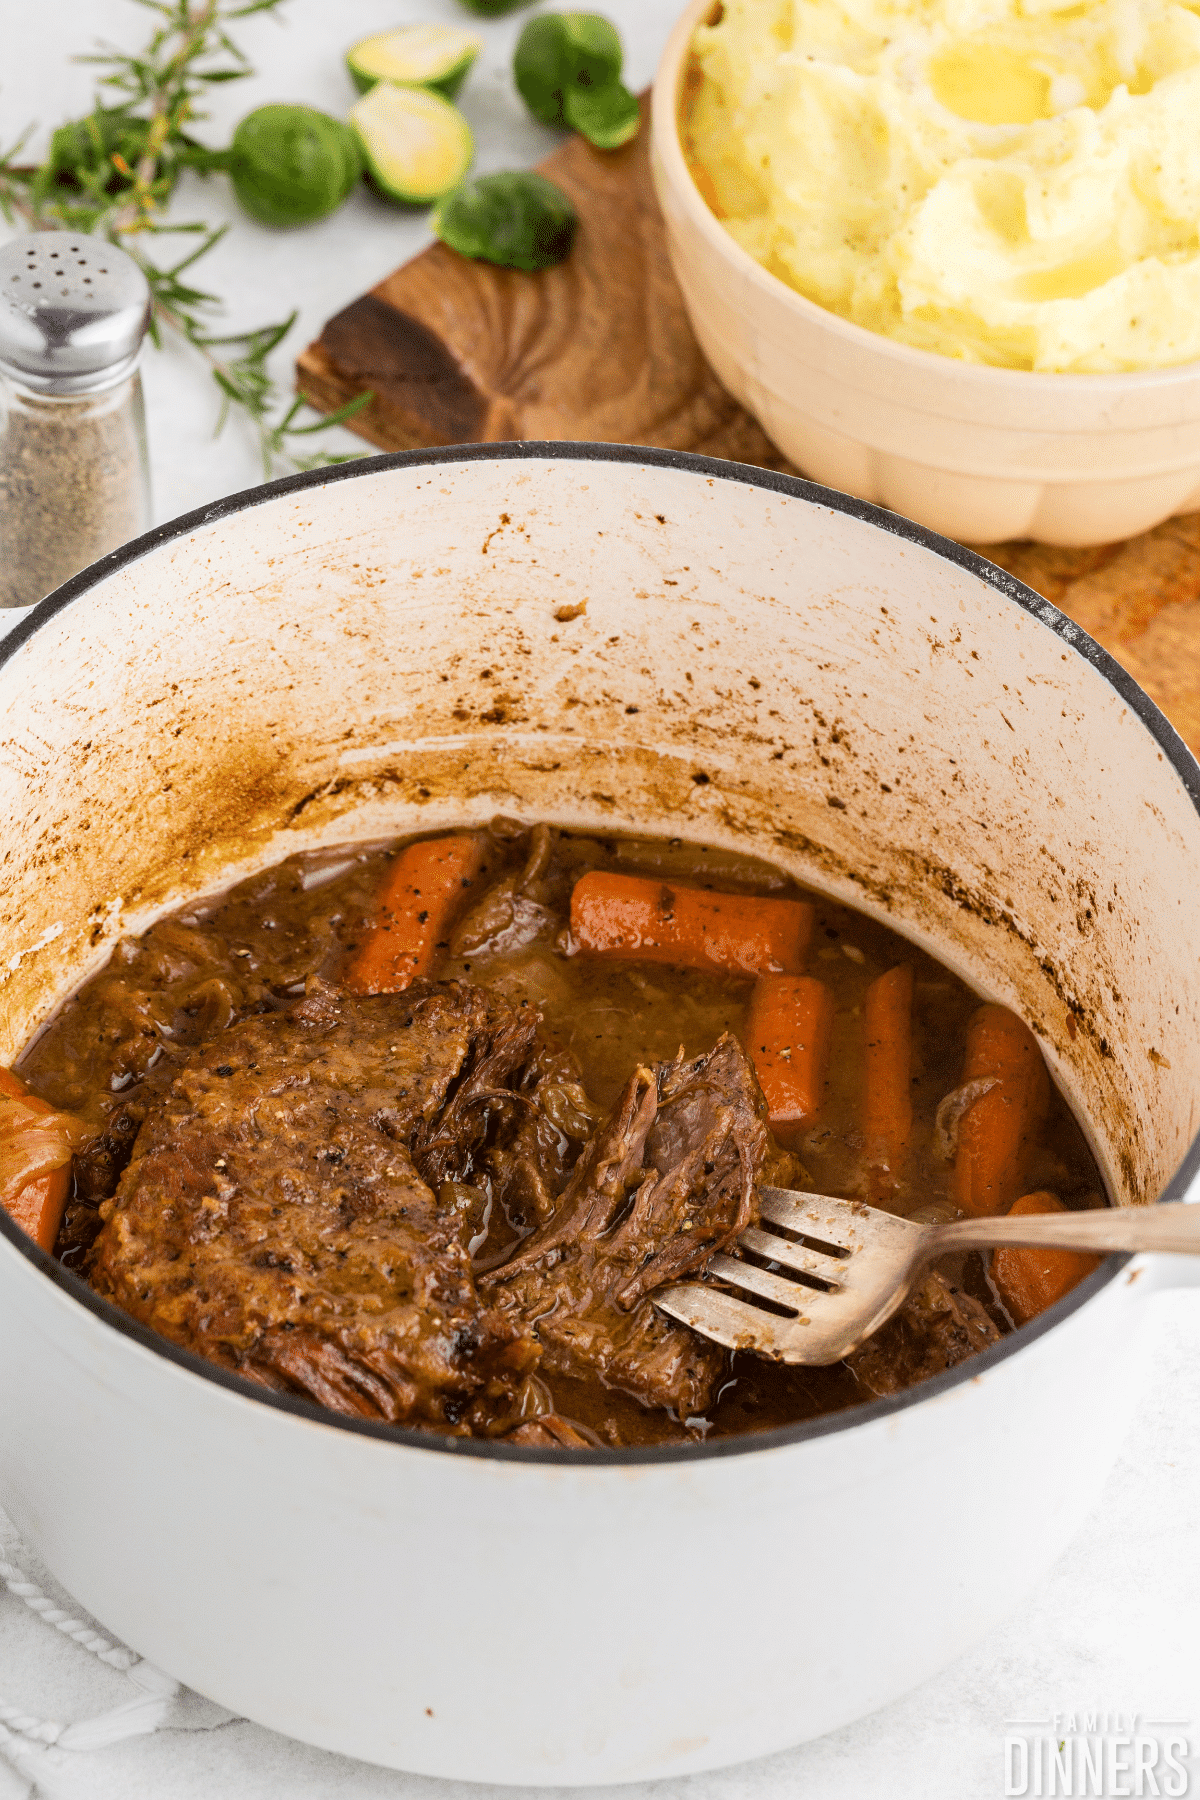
x=72 y=484
x=74 y=479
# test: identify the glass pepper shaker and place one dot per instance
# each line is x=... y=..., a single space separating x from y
x=74 y=478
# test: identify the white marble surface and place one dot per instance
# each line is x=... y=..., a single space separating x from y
x=1113 y=1628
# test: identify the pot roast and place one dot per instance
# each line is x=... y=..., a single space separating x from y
x=449 y=1204
x=293 y=1210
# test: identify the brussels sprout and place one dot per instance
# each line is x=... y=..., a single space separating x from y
x=432 y=56
x=417 y=146
x=567 y=68
x=517 y=219
x=291 y=164
x=607 y=116
x=559 y=51
x=492 y=9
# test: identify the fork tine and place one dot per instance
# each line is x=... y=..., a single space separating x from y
x=753 y=1280
x=860 y=1257
x=721 y=1317
x=793 y=1256
x=837 y=1222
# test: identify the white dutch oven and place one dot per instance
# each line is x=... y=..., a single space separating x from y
x=613 y=638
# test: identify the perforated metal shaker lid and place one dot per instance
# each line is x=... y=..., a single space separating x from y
x=73 y=311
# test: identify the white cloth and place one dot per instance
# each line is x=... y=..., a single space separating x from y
x=138 y=1698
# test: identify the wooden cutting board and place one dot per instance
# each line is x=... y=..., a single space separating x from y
x=600 y=349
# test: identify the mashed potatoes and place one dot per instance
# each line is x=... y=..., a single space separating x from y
x=1008 y=181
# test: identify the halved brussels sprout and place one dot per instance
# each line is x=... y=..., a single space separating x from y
x=417 y=146
x=607 y=116
x=432 y=56
x=517 y=219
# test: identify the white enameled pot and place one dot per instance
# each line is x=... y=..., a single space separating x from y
x=608 y=637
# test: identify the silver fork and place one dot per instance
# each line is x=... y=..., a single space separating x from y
x=841 y=1268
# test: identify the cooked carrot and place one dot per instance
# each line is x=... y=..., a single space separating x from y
x=661 y=922
x=788 y=1028
x=35 y=1205
x=425 y=887
x=996 y=1132
x=1030 y=1280
x=887 y=1098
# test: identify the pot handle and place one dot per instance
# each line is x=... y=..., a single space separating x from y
x=1161 y=1271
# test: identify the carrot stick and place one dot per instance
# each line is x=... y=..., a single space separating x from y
x=37 y=1205
x=887 y=1100
x=996 y=1133
x=694 y=928
x=1030 y=1279
x=788 y=1028
x=424 y=889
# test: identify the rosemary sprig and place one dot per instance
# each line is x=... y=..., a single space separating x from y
x=113 y=175
x=238 y=361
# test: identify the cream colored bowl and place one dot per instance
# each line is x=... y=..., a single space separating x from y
x=980 y=454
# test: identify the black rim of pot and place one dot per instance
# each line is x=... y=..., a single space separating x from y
x=1174 y=750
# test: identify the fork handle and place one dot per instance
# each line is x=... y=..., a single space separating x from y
x=1173 y=1226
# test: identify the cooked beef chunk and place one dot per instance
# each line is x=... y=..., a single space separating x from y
x=306 y=1187
x=550 y=1432
x=290 y=1208
x=666 y=1181
x=938 y=1326
x=519 y=907
x=531 y=1166
x=446 y=1143
x=99 y=1164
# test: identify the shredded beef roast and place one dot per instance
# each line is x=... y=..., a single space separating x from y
x=283 y=1211
x=305 y=1191
x=298 y=1207
x=550 y=1432
x=666 y=1181
x=530 y=1166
